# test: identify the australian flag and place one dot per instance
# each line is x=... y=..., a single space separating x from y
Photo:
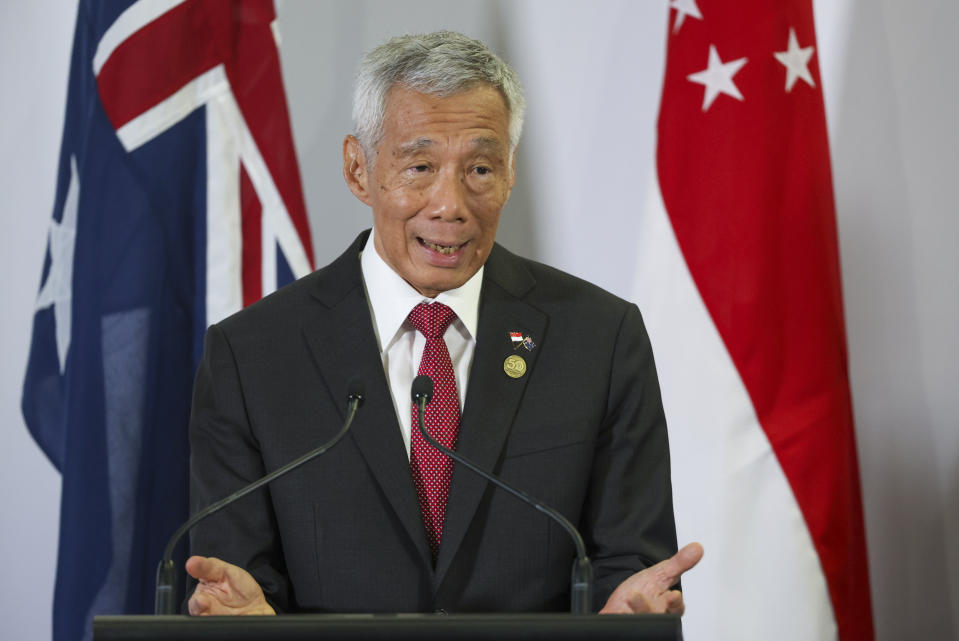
x=178 y=202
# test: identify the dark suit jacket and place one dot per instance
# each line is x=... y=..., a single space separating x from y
x=583 y=430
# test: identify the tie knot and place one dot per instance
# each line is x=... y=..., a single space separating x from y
x=432 y=319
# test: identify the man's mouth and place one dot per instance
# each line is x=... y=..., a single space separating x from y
x=446 y=250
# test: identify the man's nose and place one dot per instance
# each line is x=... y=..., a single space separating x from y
x=447 y=199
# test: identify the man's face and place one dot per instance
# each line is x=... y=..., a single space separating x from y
x=441 y=177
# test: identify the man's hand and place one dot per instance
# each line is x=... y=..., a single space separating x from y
x=224 y=589
x=648 y=590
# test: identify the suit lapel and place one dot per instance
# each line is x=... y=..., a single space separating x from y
x=492 y=397
x=341 y=338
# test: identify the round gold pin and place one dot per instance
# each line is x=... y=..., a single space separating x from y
x=514 y=366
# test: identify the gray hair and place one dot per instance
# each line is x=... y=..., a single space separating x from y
x=443 y=63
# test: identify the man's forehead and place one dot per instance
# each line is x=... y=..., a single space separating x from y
x=480 y=143
x=417 y=120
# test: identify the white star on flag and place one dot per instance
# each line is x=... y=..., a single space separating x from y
x=58 y=288
x=684 y=8
x=796 y=61
x=717 y=77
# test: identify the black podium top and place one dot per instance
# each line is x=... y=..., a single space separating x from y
x=393 y=627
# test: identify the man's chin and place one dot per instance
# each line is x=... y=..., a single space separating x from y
x=432 y=284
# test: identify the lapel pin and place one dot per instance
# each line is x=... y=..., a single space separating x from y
x=518 y=340
x=514 y=366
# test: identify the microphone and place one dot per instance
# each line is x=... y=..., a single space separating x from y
x=166 y=597
x=581 y=580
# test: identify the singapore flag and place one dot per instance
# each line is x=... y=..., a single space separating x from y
x=738 y=278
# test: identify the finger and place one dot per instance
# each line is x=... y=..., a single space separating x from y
x=198 y=605
x=206 y=568
x=674 y=602
x=638 y=603
x=632 y=604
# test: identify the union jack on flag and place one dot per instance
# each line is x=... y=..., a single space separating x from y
x=178 y=202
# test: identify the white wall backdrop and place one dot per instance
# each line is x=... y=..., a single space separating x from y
x=35 y=45
x=592 y=72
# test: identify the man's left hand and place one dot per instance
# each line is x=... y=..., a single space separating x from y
x=649 y=590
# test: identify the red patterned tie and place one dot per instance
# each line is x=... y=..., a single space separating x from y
x=431 y=469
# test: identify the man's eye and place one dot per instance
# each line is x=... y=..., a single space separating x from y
x=482 y=171
x=421 y=169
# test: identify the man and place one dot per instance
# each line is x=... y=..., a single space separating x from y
x=542 y=378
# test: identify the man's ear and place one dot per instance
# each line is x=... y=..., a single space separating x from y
x=512 y=167
x=355 y=170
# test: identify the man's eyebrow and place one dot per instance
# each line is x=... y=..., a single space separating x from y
x=413 y=146
x=487 y=144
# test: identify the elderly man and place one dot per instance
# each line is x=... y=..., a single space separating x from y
x=541 y=377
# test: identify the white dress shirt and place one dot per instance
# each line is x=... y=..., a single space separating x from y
x=401 y=347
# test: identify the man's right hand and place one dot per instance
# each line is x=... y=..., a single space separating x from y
x=224 y=589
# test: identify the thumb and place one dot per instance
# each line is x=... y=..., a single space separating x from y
x=684 y=560
x=689 y=556
x=206 y=568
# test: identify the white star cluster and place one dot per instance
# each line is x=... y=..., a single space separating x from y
x=717 y=77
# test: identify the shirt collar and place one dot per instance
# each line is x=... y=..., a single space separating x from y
x=391 y=298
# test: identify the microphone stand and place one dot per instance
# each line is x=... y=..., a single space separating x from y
x=166 y=571
x=581 y=580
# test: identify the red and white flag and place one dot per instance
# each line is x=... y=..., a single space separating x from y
x=739 y=280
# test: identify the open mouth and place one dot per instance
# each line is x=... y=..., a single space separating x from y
x=446 y=250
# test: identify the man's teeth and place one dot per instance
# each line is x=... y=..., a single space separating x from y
x=443 y=249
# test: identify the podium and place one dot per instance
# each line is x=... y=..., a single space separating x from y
x=392 y=627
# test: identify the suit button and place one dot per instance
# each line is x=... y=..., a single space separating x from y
x=440 y=611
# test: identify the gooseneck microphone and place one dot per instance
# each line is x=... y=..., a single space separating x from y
x=581 y=581
x=166 y=597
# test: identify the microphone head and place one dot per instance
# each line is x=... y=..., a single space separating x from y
x=356 y=390
x=422 y=388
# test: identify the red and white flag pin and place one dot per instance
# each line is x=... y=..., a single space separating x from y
x=518 y=340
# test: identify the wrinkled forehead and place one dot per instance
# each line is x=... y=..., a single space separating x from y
x=480 y=144
x=476 y=118
x=400 y=88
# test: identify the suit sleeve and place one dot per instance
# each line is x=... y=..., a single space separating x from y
x=628 y=520
x=225 y=456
